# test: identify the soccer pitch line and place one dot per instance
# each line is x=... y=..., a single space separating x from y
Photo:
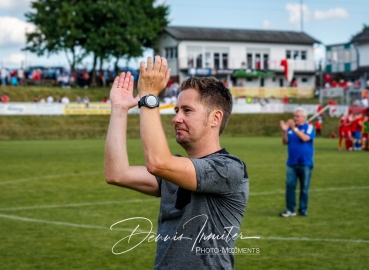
x=311 y=190
x=273 y=238
x=96 y=172
x=79 y=204
x=46 y=177
x=157 y=199
x=66 y=224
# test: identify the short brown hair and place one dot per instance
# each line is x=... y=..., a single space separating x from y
x=213 y=94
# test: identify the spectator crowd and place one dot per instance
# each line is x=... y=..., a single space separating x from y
x=55 y=76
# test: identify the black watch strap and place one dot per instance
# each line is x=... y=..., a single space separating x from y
x=149 y=101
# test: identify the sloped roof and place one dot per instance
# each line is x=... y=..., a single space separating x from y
x=239 y=35
x=361 y=37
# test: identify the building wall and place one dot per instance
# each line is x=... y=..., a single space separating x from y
x=167 y=42
x=237 y=53
x=341 y=58
x=204 y=52
x=364 y=54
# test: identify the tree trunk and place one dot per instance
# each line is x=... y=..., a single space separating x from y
x=93 y=75
x=101 y=63
x=116 y=68
x=73 y=65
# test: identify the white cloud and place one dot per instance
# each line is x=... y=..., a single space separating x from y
x=332 y=13
x=268 y=24
x=12 y=31
x=294 y=11
x=319 y=51
x=15 y=8
x=160 y=3
x=15 y=59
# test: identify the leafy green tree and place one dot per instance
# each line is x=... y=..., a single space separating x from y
x=123 y=28
x=59 y=28
x=105 y=29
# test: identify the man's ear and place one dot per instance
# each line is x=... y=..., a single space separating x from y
x=216 y=118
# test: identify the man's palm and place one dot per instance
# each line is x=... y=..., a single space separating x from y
x=121 y=92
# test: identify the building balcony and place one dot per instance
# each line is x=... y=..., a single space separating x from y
x=238 y=63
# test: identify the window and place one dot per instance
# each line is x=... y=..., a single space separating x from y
x=190 y=61
x=304 y=80
x=295 y=55
x=225 y=60
x=303 y=55
x=335 y=56
x=257 y=61
x=171 y=53
x=288 y=54
x=266 y=61
x=216 y=60
x=261 y=82
x=199 y=61
x=347 y=56
x=249 y=61
x=249 y=79
x=208 y=59
x=175 y=52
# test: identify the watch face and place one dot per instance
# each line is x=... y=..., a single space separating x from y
x=151 y=101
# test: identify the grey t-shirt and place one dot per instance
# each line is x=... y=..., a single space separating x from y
x=195 y=229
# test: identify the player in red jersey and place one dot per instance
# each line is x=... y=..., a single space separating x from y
x=348 y=132
x=344 y=132
x=341 y=130
x=365 y=137
x=356 y=128
x=318 y=128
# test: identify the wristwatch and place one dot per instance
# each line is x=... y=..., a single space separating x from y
x=149 y=101
x=295 y=129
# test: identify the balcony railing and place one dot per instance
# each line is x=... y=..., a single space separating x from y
x=238 y=63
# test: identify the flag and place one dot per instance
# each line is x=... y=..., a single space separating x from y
x=288 y=69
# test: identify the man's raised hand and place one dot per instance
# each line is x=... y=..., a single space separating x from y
x=121 y=93
x=153 y=78
x=283 y=125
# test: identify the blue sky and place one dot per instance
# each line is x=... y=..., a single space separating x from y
x=329 y=21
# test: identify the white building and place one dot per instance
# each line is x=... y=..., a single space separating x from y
x=194 y=51
x=350 y=59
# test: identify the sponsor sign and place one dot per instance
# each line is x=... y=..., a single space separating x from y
x=272 y=92
x=24 y=108
x=199 y=71
x=332 y=92
x=92 y=108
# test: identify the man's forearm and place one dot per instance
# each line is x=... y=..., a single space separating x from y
x=284 y=138
x=302 y=136
x=154 y=142
x=116 y=158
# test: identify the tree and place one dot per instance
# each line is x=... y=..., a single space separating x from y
x=120 y=28
x=123 y=28
x=58 y=28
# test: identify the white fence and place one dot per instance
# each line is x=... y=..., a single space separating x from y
x=22 y=108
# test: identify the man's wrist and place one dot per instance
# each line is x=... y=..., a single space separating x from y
x=119 y=108
x=295 y=129
x=146 y=92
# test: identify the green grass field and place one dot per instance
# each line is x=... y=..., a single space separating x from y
x=56 y=209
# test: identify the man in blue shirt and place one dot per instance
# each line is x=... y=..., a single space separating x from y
x=299 y=136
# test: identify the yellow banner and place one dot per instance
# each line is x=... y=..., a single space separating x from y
x=87 y=109
x=272 y=92
x=96 y=108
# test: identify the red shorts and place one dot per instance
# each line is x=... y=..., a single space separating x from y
x=365 y=136
x=346 y=134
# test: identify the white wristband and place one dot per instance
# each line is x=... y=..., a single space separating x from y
x=295 y=129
